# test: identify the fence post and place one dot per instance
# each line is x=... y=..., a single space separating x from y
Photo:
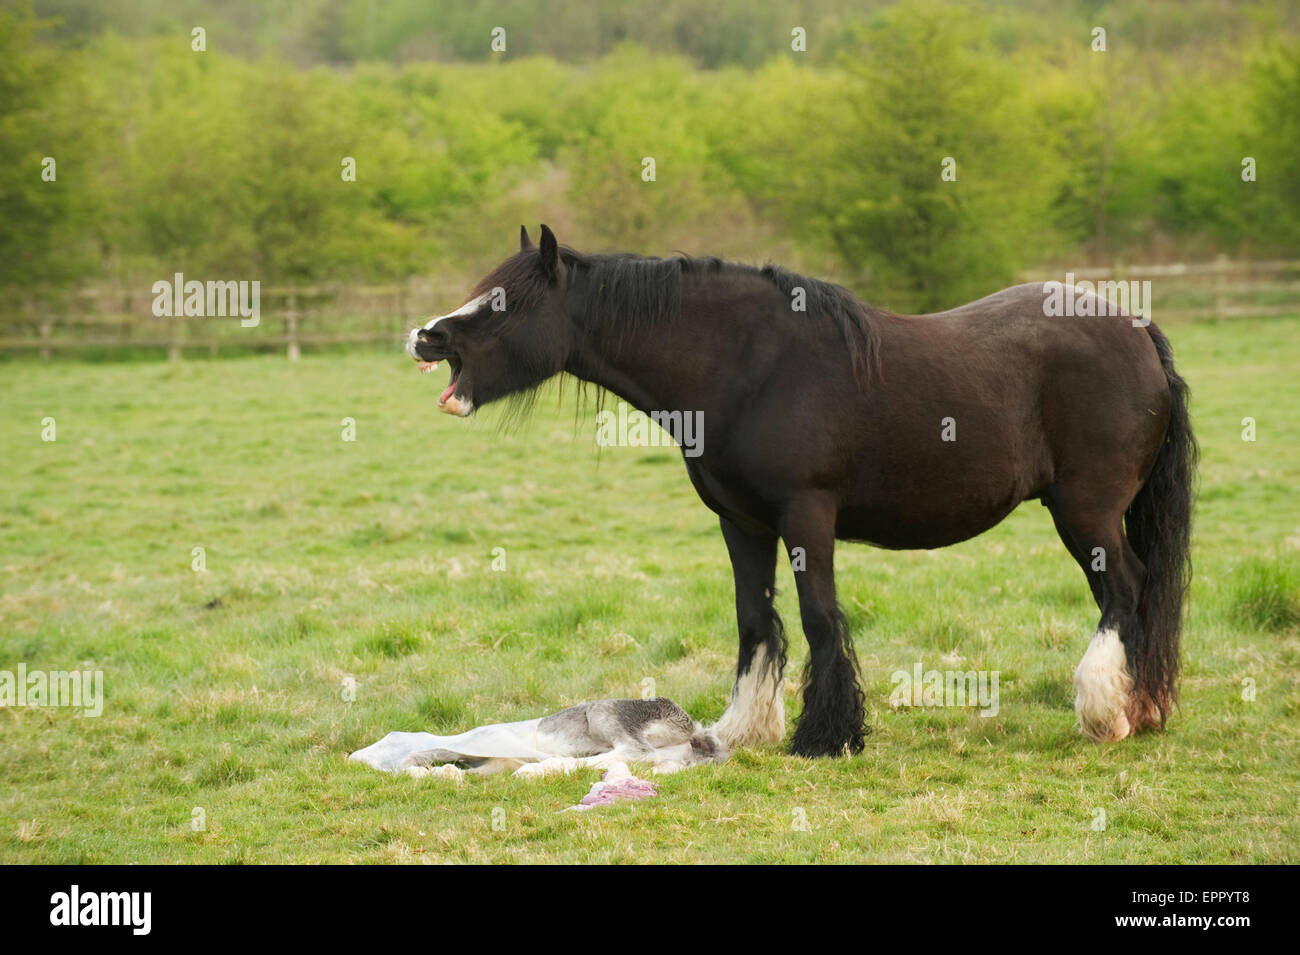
x=32 y=307
x=1220 y=285
x=178 y=333
x=291 y=327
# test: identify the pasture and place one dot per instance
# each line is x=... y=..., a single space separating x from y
x=349 y=589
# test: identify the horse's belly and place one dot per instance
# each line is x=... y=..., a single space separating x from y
x=914 y=531
x=923 y=511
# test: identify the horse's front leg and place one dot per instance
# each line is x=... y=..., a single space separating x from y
x=756 y=712
x=833 y=719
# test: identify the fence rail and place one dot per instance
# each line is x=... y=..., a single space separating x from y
x=1222 y=288
x=290 y=317
x=307 y=316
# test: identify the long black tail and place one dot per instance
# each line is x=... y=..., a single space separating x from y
x=1159 y=526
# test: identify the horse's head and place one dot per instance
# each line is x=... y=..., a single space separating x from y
x=510 y=336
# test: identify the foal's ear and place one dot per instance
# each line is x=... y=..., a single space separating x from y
x=550 y=254
x=525 y=243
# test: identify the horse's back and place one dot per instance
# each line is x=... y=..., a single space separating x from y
x=1073 y=358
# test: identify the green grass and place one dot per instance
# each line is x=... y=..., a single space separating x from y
x=374 y=560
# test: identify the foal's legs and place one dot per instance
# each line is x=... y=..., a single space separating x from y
x=1105 y=701
x=833 y=718
x=756 y=713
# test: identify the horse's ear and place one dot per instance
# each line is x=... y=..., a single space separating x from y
x=550 y=254
x=525 y=243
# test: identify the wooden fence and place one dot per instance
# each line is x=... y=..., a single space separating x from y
x=297 y=317
x=290 y=318
x=1220 y=289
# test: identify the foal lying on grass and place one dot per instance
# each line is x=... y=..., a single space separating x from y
x=657 y=732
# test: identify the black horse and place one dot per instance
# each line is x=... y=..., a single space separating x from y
x=825 y=418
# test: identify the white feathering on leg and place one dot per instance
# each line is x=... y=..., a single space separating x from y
x=1103 y=688
x=756 y=713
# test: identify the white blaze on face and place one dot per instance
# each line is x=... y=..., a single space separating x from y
x=469 y=308
x=1103 y=686
x=449 y=402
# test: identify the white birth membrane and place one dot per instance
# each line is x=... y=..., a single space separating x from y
x=506 y=742
x=528 y=750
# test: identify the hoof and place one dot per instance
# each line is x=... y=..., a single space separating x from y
x=814 y=746
x=449 y=771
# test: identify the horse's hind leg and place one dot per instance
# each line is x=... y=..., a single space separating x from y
x=1103 y=681
x=756 y=712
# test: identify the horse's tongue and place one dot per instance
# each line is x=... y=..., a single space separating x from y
x=451 y=390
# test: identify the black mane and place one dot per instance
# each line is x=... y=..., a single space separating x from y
x=638 y=291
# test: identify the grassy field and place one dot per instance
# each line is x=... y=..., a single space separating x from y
x=373 y=559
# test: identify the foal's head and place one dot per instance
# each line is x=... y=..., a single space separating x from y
x=512 y=334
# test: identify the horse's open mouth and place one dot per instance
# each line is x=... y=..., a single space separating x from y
x=449 y=392
x=449 y=402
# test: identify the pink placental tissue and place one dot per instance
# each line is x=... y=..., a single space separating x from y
x=617 y=783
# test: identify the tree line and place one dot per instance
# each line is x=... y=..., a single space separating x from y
x=924 y=156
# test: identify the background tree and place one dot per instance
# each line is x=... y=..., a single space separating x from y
x=927 y=89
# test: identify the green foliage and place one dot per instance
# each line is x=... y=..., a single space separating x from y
x=39 y=219
x=227 y=163
x=1266 y=594
x=1275 y=90
x=639 y=111
x=929 y=97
